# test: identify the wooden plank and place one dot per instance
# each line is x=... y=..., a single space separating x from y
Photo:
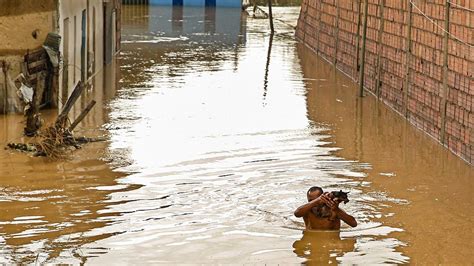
x=38 y=68
x=36 y=55
x=33 y=77
x=76 y=93
x=33 y=64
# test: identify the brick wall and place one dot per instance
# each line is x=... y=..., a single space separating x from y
x=408 y=73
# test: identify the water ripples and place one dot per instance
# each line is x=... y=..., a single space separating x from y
x=212 y=172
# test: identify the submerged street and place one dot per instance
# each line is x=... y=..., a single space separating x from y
x=216 y=130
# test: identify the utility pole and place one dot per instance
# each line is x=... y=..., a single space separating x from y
x=364 y=39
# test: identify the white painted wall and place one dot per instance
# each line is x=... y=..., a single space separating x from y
x=72 y=10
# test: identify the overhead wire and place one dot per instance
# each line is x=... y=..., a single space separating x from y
x=438 y=26
x=461 y=7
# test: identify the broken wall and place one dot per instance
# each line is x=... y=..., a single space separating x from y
x=9 y=69
x=405 y=58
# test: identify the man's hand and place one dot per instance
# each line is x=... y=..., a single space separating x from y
x=323 y=199
x=305 y=208
x=332 y=204
x=338 y=213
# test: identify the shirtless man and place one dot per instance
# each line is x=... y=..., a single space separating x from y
x=316 y=197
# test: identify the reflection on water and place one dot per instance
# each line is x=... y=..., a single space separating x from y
x=322 y=247
x=200 y=168
x=404 y=164
x=48 y=207
x=216 y=27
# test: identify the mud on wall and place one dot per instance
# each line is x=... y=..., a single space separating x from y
x=9 y=69
x=36 y=18
x=333 y=29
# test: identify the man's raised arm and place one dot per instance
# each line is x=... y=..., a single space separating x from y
x=305 y=208
x=348 y=219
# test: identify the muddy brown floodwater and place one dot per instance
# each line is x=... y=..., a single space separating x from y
x=216 y=131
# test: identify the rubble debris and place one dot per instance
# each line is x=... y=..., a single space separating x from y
x=26 y=93
x=57 y=139
x=22 y=147
x=33 y=117
x=51 y=45
x=258 y=13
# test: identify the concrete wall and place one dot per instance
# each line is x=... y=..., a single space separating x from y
x=33 y=16
x=37 y=19
x=9 y=68
x=16 y=40
x=409 y=80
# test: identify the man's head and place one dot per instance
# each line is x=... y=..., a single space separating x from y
x=313 y=193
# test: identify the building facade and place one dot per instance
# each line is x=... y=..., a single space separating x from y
x=208 y=3
x=86 y=34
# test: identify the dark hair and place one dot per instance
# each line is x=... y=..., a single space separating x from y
x=312 y=189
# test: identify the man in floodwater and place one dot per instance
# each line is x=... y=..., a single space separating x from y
x=316 y=197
